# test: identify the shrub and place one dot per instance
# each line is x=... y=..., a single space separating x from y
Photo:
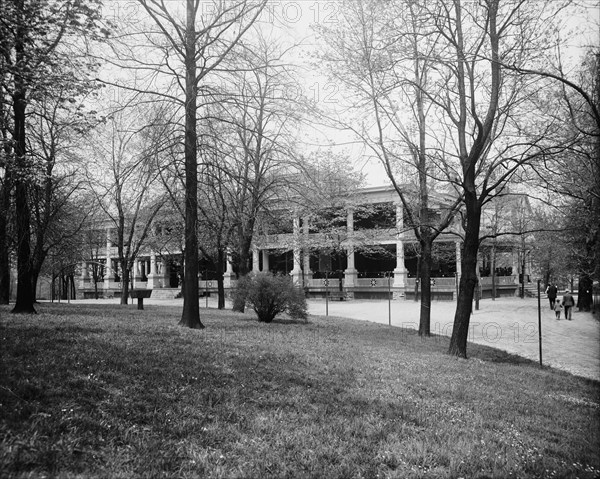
x=270 y=295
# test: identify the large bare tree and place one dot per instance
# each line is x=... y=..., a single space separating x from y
x=384 y=53
x=171 y=56
x=125 y=183
x=487 y=139
x=470 y=114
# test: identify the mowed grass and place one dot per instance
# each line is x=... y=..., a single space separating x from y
x=110 y=391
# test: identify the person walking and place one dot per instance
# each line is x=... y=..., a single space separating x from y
x=551 y=291
x=568 y=303
x=557 y=308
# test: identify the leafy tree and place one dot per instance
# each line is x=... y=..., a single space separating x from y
x=37 y=49
x=56 y=124
x=329 y=183
x=574 y=176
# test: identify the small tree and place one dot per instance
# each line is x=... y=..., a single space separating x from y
x=270 y=295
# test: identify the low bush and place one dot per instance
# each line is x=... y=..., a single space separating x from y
x=270 y=295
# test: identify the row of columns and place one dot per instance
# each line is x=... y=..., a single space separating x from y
x=158 y=275
x=156 y=272
x=350 y=273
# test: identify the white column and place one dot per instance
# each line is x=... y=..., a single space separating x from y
x=308 y=274
x=137 y=270
x=458 y=260
x=152 y=276
x=84 y=275
x=296 y=272
x=228 y=274
x=255 y=266
x=108 y=273
x=165 y=273
x=400 y=269
x=228 y=263
x=350 y=273
x=265 y=256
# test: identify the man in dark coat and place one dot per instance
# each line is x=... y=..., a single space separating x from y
x=552 y=291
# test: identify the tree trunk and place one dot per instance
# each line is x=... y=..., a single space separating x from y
x=584 y=293
x=493 y=271
x=25 y=296
x=4 y=258
x=35 y=274
x=124 y=284
x=425 y=318
x=417 y=278
x=220 y=285
x=468 y=279
x=5 y=188
x=38 y=257
x=190 y=316
x=523 y=275
x=4 y=206
x=239 y=303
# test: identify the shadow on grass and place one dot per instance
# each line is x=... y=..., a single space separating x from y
x=121 y=392
x=494 y=355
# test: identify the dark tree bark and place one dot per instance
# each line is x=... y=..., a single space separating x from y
x=425 y=318
x=470 y=158
x=220 y=285
x=5 y=189
x=190 y=316
x=4 y=257
x=25 y=296
x=125 y=278
x=468 y=279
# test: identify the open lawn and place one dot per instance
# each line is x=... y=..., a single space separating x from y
x=110 y=391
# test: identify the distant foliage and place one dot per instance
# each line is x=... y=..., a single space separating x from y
x=270 y=295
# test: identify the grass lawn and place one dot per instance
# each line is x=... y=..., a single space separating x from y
x=110 y=391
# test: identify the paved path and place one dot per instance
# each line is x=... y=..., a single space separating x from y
x=510 y=324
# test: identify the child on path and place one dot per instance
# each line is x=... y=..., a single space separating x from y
x=557 y=308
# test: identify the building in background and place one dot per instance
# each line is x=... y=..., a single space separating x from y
x=362 y=250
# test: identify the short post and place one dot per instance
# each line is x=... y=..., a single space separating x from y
x=539 y=318
x=140 y=294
